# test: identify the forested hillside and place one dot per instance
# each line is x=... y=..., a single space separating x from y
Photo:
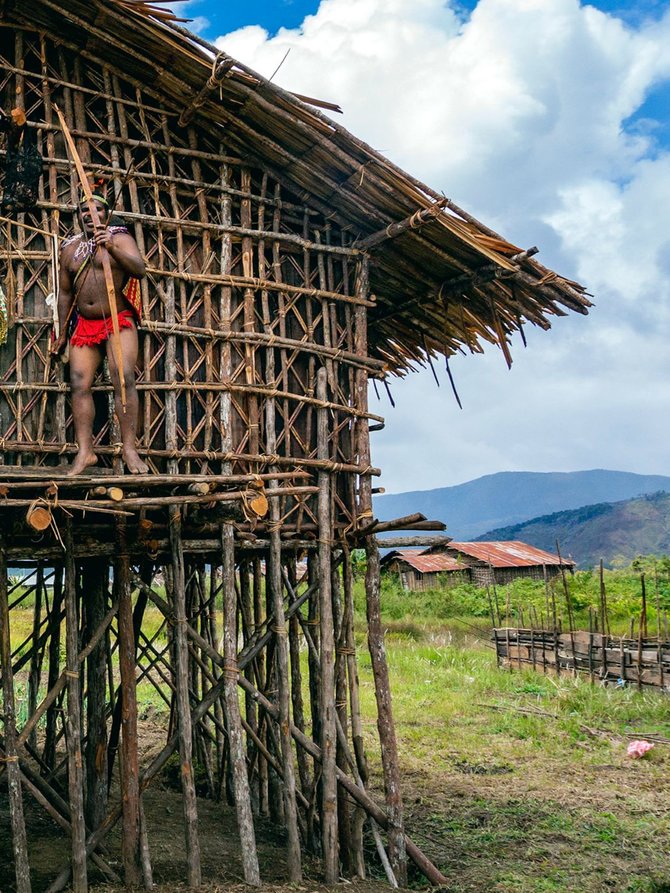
x=615 y=532
x=510 y=497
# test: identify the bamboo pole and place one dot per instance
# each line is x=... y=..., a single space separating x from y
x=73 y=720
x=19 y=839
x=274 y=583
x=95 y=578
x=180 y=670
x=328 y=741
x=385 y=724
x=129 y=752
x=232 y=707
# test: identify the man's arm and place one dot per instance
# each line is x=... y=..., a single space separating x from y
x=65 y=301
x=123 y=249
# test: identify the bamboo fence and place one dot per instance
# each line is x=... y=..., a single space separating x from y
x=643 y=662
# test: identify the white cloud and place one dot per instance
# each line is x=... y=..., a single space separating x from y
x=186 y=9
x=519 y=114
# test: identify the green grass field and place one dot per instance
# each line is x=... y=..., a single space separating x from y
x=521 y=782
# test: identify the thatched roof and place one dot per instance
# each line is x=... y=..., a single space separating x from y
x=443 y=282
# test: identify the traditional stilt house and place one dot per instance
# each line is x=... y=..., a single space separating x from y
x=287 y=265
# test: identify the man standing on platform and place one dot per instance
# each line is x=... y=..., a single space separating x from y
x=84 y=313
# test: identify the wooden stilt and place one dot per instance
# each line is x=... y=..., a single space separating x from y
x=73 y=721
x=306 y=784
x=37 y=652
x=340 y=672
x=49 y=750
x=129 y=755
x=183 y=707
x=260 y=673
x=355 y=709
x=95 y=580
x=329 y=832
x=274 y=583
x=232 y=709
x=11 y=759
x=385 y=724
x=250 y=711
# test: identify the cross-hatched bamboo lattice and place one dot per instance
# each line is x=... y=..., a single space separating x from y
x=248 y=291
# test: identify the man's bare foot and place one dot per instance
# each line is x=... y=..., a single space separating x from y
x=133 y=462
x=82 y=462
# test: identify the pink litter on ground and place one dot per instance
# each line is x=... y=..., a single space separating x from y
x=637 y=749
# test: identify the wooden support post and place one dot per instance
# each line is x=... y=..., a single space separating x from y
x=251 y=713
x=178 y=592
x=49 y=750
x=37 y=656
x=73 y=721
x=274 y=584
x=95 y=580
x=19 y=840
x=129 y=756
x=306 y=784
x=385 y=724
x=342 y=722
x=260 y=667
x=232 y=707
x=329 y=832
x=358 y=819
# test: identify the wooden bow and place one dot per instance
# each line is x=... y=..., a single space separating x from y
x=104 y=254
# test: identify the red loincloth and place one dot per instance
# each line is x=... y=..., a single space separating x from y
x=89 y=332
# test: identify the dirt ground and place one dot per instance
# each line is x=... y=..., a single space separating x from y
x=489 y=826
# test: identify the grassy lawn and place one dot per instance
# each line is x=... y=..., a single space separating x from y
x=515 y=781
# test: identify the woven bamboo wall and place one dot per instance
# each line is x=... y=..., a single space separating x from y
x=249 y=292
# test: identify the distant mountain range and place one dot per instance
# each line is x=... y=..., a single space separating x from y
x=509 y=498
x=611 y=531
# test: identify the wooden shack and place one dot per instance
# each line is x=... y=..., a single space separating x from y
x=288 y=265
x=419 y=570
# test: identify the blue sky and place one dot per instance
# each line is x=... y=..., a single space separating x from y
x=226 y=16
x=275 y=14
x=549 y=121
x=215 y=18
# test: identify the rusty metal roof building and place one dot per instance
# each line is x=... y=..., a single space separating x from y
x=511 y=553
x=433 y=563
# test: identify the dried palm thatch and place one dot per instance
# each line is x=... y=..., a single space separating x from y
x=442 y=280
